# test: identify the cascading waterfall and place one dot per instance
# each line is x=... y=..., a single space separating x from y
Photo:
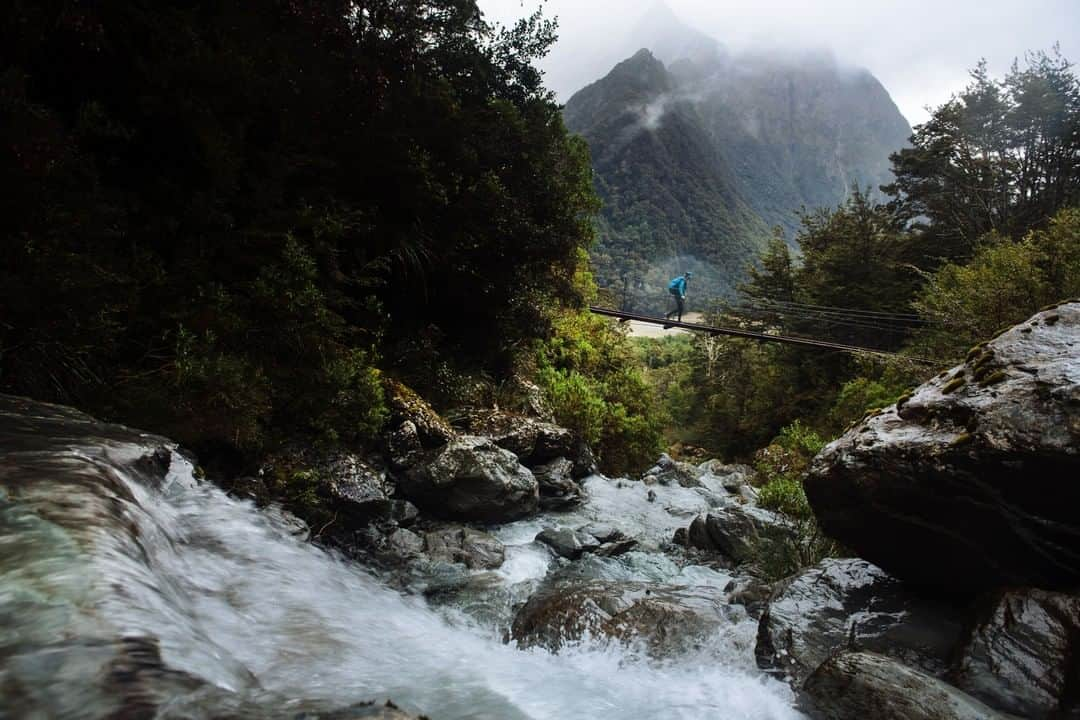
x=244 y=614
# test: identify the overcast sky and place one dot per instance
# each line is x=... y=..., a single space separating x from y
x=920 y=50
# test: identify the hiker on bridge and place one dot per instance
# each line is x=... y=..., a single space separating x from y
x=677 y=288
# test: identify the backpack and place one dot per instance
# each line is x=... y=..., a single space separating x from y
x=673 y=286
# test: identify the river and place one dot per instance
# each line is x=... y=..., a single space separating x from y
x=98 y=553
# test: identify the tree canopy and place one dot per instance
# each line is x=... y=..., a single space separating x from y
x=217 y=215
x=1002 y=156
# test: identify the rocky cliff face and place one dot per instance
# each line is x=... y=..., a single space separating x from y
x=970 y=483
x=699 y=152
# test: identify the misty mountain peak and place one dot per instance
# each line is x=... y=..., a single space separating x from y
x=670 y=39
x=700 y=159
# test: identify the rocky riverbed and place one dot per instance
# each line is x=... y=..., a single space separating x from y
x=132 y=588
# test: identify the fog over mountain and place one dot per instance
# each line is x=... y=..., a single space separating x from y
x=921 y=50
x=699 y=151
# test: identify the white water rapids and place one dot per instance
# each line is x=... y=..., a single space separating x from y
x=235 y=600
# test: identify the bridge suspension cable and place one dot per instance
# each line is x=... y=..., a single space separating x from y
x=751 y=335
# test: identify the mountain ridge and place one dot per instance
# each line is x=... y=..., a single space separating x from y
x=697 y=159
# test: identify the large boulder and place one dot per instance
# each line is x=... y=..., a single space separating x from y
x=971 y=482
x=533 y=441
x=474 y=549
x=470 y=478
x=865 y=685
x=668 y=619
x=738 y=532
x=667 y=471
x=1023 y=655
x=838 y=603
x=356 y=487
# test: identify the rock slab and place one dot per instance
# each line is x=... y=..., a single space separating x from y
x=971 y=483
x=1023 y=655
x=841 y=602
x=865 y=686
x=668 y=619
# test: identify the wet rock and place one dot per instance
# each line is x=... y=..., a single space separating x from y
x=612 y=542
x=567 y=543
x=249 y=487
x=668 y=619
x=558 y=490
x=864 y=685
x=603 y=533
x=672 y=472
x=360 y=711
x=738 y=531
x=839 y=602
x=750 y=592
x=404 y=544
x=295 y=526
x=531 y=396
x=341 y=491
x=456 y=544
x=616 y=548
x=969 y=484
x=403 y=446
x=1023 y=655
x=732 y=478
x=533 y=441
x=355 y=488
x=736 y=480
x=470 y=478
x=584 y=461
x=403 y=512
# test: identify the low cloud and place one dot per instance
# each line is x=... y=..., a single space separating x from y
x=920 y=50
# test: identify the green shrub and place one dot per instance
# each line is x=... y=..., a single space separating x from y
x=593 y=385
x=857 y=396
x=785 y=495
x=780 y=558
x=799 y=438
x=781 y=467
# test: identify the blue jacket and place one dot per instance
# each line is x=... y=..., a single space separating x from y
x=678 y=286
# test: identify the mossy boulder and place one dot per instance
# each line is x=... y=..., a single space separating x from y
x=406 y=406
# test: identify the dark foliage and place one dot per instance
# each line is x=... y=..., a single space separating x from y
x=215 y=214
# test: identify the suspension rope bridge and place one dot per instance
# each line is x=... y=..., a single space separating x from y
x=749 y=334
